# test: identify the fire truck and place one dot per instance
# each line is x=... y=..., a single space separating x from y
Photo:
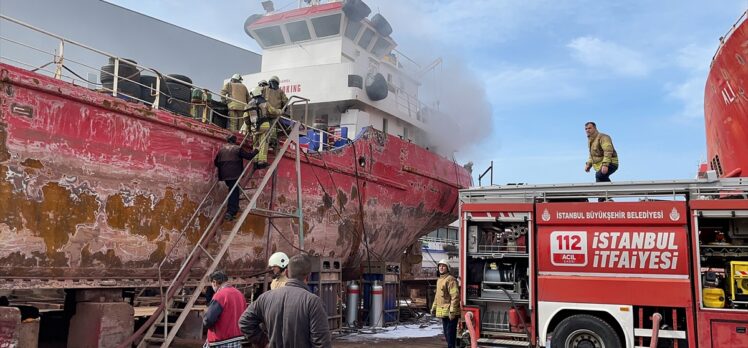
x=630 y=264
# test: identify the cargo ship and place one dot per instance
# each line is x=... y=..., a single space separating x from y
x=98 y=184
x=726 y=104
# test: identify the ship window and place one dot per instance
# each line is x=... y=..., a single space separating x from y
x=270 y=36
x=366 y=38
x=441 y=233
x=327 y=25
x=380 y=48
x=298 y=31
x=452 y=234
x=352 y=29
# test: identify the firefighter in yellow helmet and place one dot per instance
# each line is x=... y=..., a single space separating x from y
x=447 y=302
x=270 y=100
x=278 y=263
x=236 y=95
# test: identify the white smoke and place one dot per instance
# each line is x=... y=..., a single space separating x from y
x=453 y=88
x=463 y=112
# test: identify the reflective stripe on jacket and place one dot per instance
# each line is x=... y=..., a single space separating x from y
x=447 y=299
x=601 y=151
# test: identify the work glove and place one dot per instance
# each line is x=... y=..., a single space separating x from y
x=433 y=312
x=452 y=316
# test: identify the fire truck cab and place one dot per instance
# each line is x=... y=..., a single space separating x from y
x=606 y=264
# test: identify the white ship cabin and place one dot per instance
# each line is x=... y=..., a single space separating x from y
x=344 y=63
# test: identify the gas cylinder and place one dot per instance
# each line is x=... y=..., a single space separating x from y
x=354 y=294
x=376 y=319
x=513 y=320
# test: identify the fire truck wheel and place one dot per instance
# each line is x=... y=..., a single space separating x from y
x=585 y=331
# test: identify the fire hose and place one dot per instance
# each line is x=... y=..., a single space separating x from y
x=471 y=330
x=656 y=318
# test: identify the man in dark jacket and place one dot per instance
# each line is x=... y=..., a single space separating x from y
x=293 y=316
x=230 y=162
x=223 y=313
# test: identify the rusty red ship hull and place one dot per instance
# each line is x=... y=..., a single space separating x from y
x=94 y=190
x=726 y=105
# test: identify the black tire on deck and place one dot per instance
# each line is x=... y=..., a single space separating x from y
x=125 y=87
x=125 y=71
x=179 y=91
x=180 y=79
x=584 y=330
x=149 y=88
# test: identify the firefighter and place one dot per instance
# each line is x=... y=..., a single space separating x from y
x=267 y=112
x=603 y=156
x=274 y=95
x=199 y=102
x=239 y=95
x=230 y=163
x=278 y=262
x=447 y=302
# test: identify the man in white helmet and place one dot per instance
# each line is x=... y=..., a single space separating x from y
x=447 y=302
x=236 y=95
x=278 y=263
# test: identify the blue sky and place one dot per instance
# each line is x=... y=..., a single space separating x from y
x=524 y=76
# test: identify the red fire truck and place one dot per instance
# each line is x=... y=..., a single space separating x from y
x=632 y=264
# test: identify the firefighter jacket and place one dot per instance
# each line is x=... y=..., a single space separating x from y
x=602 y=151
x=447 y=299
x=238 y=92
x=278 y=281
x=275 y=97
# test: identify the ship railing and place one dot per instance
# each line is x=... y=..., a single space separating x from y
x=66 y=48
x=80 y=55
x=438 y=240
x=729 y=33
x=409 y=104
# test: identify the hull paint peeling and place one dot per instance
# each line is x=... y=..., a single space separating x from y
x=94 y=190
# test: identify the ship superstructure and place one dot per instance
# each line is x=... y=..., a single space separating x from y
x=346 y=64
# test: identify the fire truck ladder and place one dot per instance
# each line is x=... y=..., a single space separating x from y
x=159 y=330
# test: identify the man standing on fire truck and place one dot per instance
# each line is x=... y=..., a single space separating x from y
x=603 y=156
x=447 y=303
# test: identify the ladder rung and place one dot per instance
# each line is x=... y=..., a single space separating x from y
x=161 y=324
x=206 y=252
x=154 y=339
x=177 y=310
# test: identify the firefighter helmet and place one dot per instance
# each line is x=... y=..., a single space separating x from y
x=443 y=262
x=279 y=259
x=256 y=92
x=236 y=77
x=274 y=78
x=262 y=83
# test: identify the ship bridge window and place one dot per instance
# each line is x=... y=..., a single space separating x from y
x=327 y=25
x=270 y=36
x=381 y=47
x=298 y=31
x=366 y=38
x=351 y=30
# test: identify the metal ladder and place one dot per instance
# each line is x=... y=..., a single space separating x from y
x=160 y=331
